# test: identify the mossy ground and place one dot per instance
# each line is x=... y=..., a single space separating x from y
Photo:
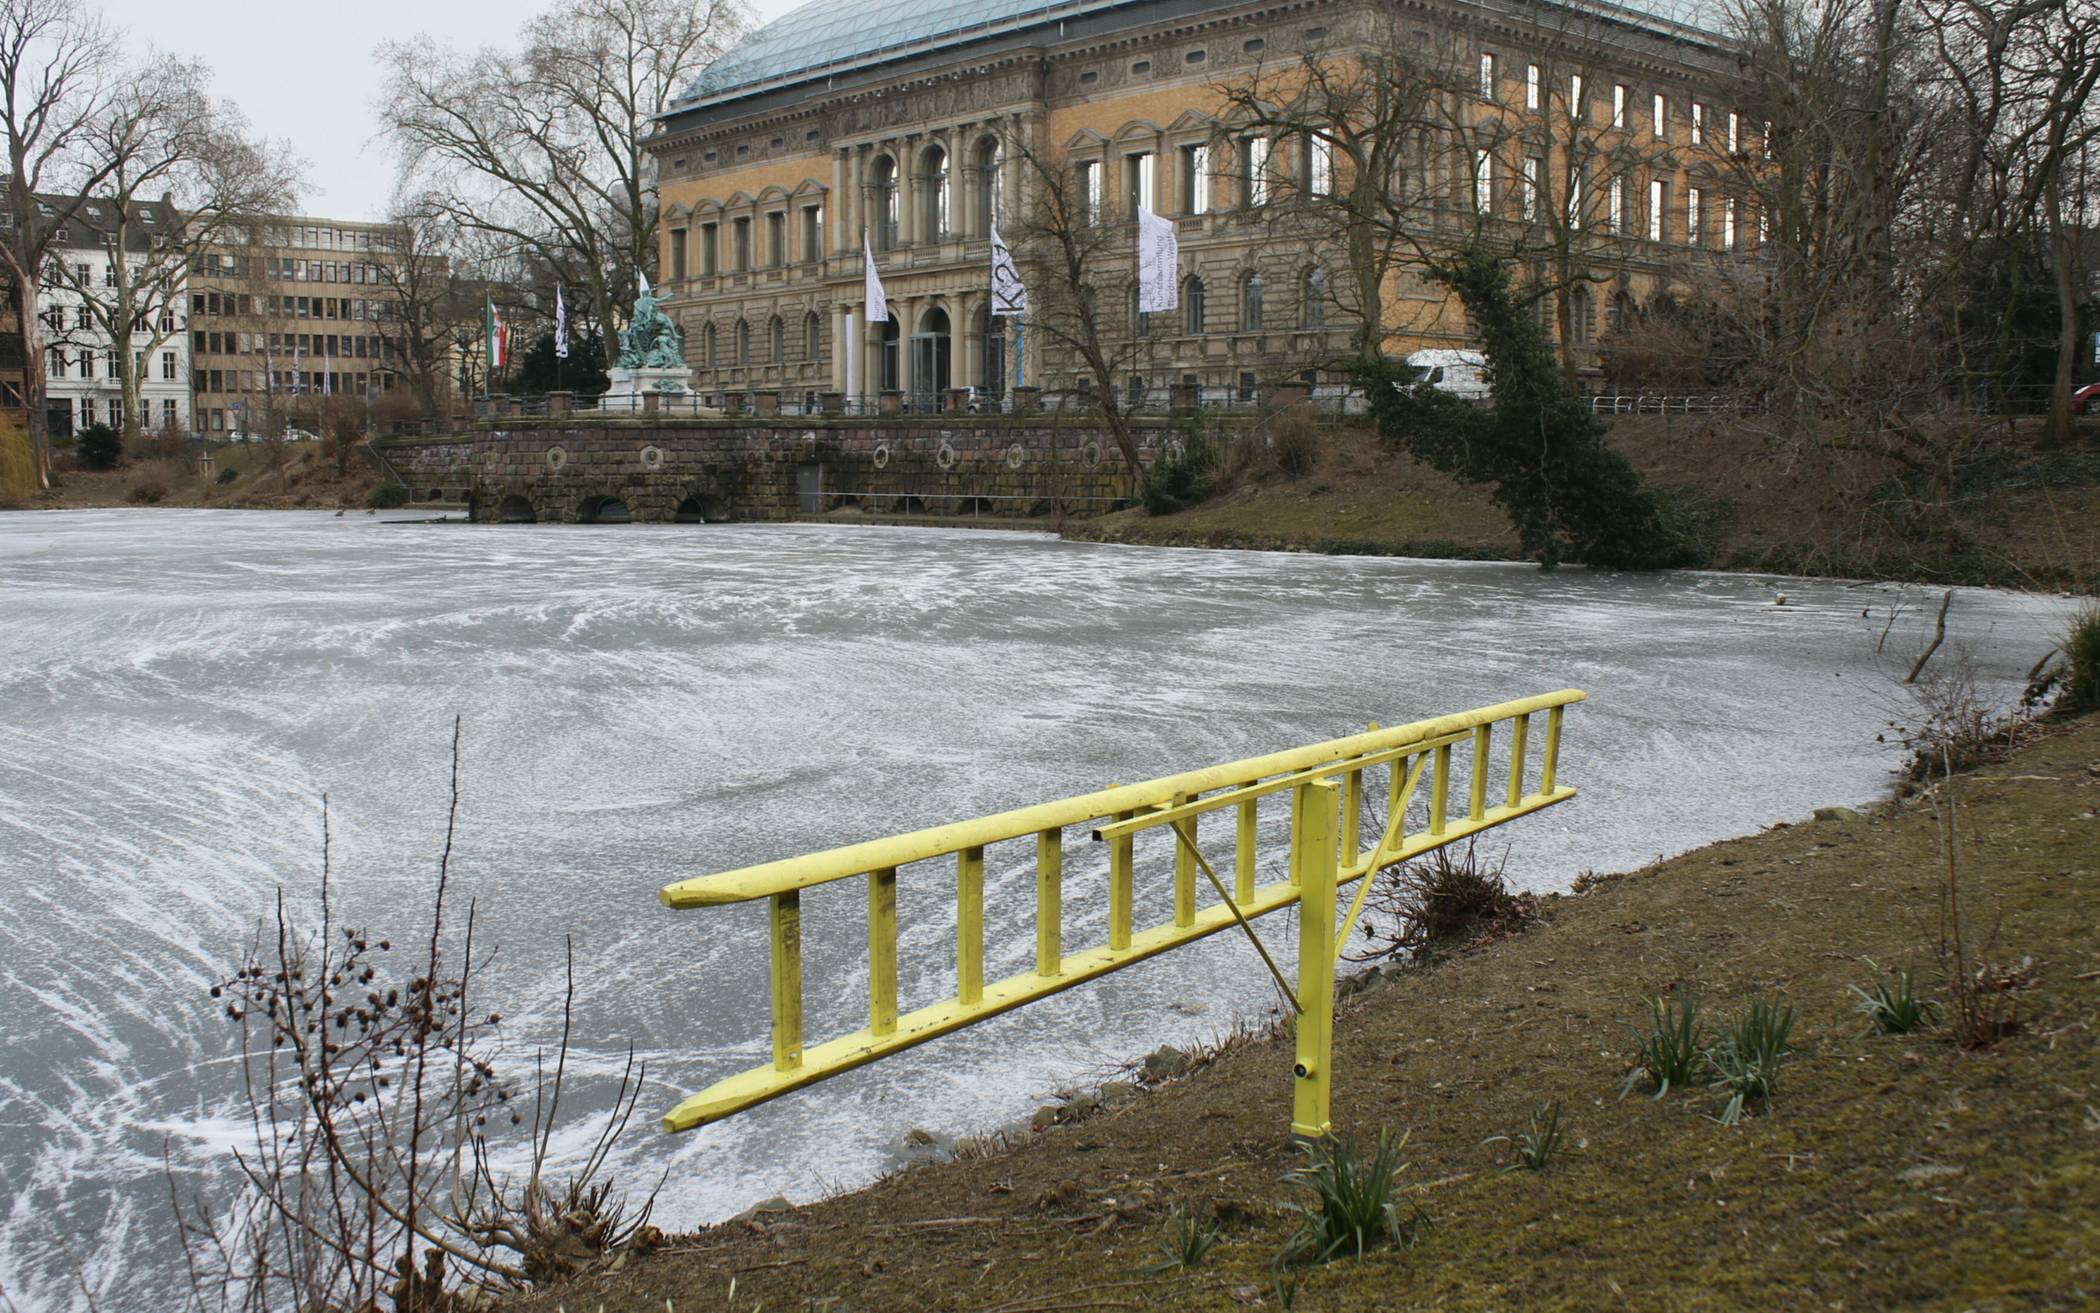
x=2028 y=517
x=1888 y=1173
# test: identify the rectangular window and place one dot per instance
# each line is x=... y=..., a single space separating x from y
x=677 y=255
x=1692 y=227
x=740 y=238
x=1735 y=126
x=710 y=251
x=812 y=233
x=1487 y=77
x=777 y=239
x=1256 y=161
x=1658 y=209
x=1661 y=115
x=1728 y=223
x=1575 y=200
x=1533 y=167
x=1768 y=139
x=1195 y=179
x=87 y=365
x=1484 y=181
x=1088 y=201
x=1137 y=182
x=1531 y=86
x=1575 y=105
x=167 y=364
x=1698 y=124
x=1615 y=206
x=1319 y=166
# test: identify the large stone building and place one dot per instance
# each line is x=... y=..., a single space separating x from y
x=914 y=127
x=294 y=314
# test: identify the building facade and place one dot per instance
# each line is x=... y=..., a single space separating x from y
x=1598 y=142
x=83 y=384
x=294 y=312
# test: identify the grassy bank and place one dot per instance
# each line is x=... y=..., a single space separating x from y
x=2026 y=517
x=239 y=476
x=1889 y=1171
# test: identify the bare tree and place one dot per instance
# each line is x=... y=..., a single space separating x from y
x=425 y=317
x=542 y=147
x=162 y=137
x=58 y=78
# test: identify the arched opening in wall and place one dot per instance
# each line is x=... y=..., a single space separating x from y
x=973 y=506
x=436 y=494
x=604 y=510
x=991 y=184
x=845 y=503
x=516 y=510
x=934 y=169
x=911 y=505
x=1581 y=312
x=882 y=181
x=701 y=508
x=930 y=356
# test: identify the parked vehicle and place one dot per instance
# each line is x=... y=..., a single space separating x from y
x=2086 y=400
x=1463 y=374
x=300 y=435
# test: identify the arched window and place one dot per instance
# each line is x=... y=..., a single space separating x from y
x=1312 y=298
x=743 y=342
x=936 y=212
x=778 y=333
x=1621 y=313
x=812 y=336
x=1580 y=332
x=708 y=343
x=1250 y=303
x=1192 y=306
x=991 y=183
x=882 y=181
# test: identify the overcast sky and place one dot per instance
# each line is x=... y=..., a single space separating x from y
x=307 y=73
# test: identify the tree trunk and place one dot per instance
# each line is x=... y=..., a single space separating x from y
x=2067 y=335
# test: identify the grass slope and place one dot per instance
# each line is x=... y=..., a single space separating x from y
x=1889 y=1172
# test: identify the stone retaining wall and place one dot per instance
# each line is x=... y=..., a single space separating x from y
x=745 y=470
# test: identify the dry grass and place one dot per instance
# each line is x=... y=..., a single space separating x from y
x=1891 y=1171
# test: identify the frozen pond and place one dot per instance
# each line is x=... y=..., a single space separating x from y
x=641 y=703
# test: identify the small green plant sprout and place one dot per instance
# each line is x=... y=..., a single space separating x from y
x=1189 y=1237
x=1353 y=1206
x=1672 y=1051
x=1746 y=1062
x=1894 y=1007
x=1534 y=1148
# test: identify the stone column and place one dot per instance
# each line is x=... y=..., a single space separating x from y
x=907 y=190
x=969 y=355
x=871 y=357
x=837 y=205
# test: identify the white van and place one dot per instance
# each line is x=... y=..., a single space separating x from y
x=1463 y=374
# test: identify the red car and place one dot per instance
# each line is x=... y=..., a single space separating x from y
x=2086 y=399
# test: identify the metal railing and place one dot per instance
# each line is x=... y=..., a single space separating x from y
x=1657 y=403
x=1326 y=783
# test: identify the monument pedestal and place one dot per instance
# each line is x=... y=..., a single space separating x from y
x=630 y=384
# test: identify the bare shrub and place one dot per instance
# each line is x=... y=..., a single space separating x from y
x=1983 y=995
x=1443 y=898
x=396 y=1156
x=1296 y=442
x=147 y=491
x=1948 y=725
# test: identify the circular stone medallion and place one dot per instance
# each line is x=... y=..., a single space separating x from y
x=1016 y=457
x=945 y=457
x=556 y=458
x=652 y=458
x=882 y=455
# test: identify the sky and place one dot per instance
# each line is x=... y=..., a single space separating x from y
x=308 y=74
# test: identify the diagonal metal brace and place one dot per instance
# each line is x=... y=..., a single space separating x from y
x=1188 y=841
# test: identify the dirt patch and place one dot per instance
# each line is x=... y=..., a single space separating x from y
x=1887 y=1172
x=240 y=477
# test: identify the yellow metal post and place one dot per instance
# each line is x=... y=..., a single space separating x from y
x=787 y=980
x=1477 y=797
x=1440 y=790
x=1185 y=872
x=1049 y=901
x=1519 y=730
x=882 y=951
x=1313 y=854
x=1243 y=855
x=1396 y=798
x=1352 y=817
x=1120 y=852
x=1550 y=765
x=969 y=925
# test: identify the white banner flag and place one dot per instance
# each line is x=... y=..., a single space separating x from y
x=1009 y=297
x=561 y=326
x=1158 y=263
x=878 y=304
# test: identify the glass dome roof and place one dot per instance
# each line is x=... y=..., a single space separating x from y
x=830 y=35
